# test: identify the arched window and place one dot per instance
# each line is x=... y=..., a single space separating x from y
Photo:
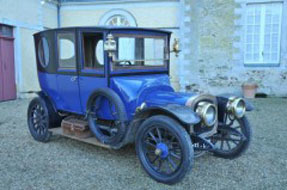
x=118 y=20
x=118 y=17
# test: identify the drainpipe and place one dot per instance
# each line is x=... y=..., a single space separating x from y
x=59 y=13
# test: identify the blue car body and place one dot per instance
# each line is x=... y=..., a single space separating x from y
x=154 y=90
x=69 y=90
x=114 y=83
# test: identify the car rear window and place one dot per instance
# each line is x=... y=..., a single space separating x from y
x=43 y=52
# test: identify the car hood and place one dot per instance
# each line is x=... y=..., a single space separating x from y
x=154 y=90
x=160 y=98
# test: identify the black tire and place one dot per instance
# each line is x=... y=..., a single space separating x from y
x=119 y=121
x=39 y=119
x=174 y=133
x=240 y=145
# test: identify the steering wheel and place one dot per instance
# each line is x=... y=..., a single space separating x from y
x=127 y=62
x=124 y=63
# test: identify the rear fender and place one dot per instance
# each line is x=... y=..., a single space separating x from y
x=44 y=96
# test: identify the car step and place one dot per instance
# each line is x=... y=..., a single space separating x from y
x=78 y=129
x=89 y=140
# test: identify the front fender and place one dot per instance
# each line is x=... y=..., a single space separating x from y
x=182 y=113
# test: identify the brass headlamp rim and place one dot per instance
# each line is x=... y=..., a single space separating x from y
x=232 y=106
x=202 y=109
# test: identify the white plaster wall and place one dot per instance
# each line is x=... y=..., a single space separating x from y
x=50 y=19
x=149 y=14
x=29 y=70
x=20 y=11
x=27 y=17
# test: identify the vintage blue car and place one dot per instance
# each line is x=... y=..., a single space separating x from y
x=117 y=80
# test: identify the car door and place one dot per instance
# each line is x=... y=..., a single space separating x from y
x=67 y=72
x=92 y=64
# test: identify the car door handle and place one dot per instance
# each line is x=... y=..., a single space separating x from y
x=74 y=78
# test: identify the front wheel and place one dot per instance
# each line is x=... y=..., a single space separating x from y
x=232 y=139
x=164 y=149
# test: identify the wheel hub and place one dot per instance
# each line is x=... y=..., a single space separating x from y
x=161 y=150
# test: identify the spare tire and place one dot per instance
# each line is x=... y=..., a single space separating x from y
x=114 y=133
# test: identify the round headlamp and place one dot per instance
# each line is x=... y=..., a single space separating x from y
x=207 y=112
x=236 y=106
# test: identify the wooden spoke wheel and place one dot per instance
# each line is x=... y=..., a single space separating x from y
x=39 y=120
x=232 y=139
x=164 y=149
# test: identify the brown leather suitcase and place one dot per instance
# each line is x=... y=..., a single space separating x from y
x=76 y=126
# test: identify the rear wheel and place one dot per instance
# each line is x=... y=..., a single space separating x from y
x=39 y=120
x=164 y=149
x=232 y=139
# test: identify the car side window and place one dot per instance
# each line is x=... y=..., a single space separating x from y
x=93 y=51
x=43 y=52
x=66 y=50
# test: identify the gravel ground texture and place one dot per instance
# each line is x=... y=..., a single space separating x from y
x=67 y=164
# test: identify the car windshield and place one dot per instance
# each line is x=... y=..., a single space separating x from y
x=138 y=52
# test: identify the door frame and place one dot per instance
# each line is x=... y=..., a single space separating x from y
x=68 y=72
x=102 y=75
x=11 y=38
x=80 y=49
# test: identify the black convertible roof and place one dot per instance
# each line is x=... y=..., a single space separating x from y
x=107 y=28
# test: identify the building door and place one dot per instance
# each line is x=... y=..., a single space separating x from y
x=7 y=69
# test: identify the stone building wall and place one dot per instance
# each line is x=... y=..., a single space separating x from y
x=212 y=60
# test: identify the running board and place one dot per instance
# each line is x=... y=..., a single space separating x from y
x=89 y=140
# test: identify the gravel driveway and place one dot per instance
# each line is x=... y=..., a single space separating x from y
x=68 y=164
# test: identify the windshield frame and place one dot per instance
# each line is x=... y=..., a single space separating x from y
x=142 y=69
